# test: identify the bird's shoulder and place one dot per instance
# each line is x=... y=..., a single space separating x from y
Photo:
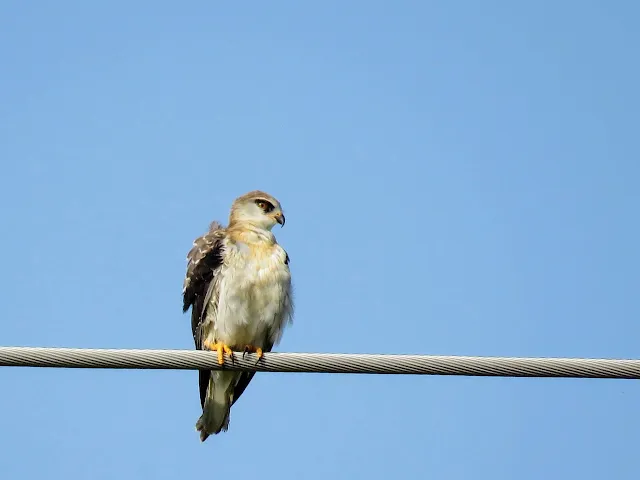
x=204 y=246
x=203 y=259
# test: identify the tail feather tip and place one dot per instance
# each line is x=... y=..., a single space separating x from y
x=207 y=432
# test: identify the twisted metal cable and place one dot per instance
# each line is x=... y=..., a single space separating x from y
x=321 y=363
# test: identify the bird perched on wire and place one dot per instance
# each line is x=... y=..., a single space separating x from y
x=238 y=286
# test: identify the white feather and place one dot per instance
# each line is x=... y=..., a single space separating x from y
x=254 y=297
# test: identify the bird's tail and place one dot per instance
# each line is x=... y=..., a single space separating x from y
x=217 y=404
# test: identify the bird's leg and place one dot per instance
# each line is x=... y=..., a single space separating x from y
x=221 y=348
x=252 y=349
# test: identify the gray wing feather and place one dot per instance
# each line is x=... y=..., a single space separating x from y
x=204 y=262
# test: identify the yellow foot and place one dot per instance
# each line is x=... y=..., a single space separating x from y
x=221 y=348
x=252 y=349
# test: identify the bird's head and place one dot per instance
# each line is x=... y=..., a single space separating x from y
x=258 y=209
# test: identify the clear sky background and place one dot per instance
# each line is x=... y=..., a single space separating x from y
x=458 y=177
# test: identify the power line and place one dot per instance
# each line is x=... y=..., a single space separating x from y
x=321 y=363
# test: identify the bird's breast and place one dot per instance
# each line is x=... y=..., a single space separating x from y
x=254 y=293
x=261 y=265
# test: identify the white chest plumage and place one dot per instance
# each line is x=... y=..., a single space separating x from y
x=253 y=301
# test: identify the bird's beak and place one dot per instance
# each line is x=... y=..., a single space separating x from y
x=280 y=218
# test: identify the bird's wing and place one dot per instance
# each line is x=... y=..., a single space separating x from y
x=203 y=264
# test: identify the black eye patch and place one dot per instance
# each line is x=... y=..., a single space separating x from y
x=265 y=205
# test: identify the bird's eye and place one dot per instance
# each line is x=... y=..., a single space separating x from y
x=264 y=205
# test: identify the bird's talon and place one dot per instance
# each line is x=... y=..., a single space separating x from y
x=251 y=349
x=221 y=349
x=229 y=352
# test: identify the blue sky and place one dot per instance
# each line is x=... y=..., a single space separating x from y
x=459 y=178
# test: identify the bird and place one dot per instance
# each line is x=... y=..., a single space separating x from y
x=238 y=286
